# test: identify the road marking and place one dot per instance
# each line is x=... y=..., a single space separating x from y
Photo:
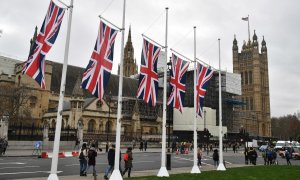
x=19 y=167
x=33 y=172
x=18 y=163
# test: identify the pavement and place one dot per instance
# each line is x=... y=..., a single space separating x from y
x=152 y=172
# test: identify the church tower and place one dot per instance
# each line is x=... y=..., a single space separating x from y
x=253 y=67
x=129 y=66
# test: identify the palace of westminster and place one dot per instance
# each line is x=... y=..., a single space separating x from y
x=251 y=109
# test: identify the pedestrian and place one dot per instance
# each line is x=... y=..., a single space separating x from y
x=92 y=154
x=269 y=155
x=111 y=161
x=233 y=148
x=141 y=145
x=199 y=156
x=77 y=142
x=264 y=156
x=145 y=145
x=97 y=145
x=252 y=156
x=37 y=148
x=246 y=156
x=288 y=156
x=83 y=160
x=216 y=157
x=128 y=161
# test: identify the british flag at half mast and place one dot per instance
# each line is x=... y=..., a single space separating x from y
x=97 y=72
x=35 y=64
x=204 y=74
x=177 y=82
x=148 y=82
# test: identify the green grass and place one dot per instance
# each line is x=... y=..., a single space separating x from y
x=254 y=172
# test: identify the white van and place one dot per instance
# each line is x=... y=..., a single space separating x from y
x=280 y=144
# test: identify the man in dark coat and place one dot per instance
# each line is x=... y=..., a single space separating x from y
x=111 y=161
x=92 y=154
x=128 y=163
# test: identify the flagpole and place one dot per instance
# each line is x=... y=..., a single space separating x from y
x=116 y=173
x=163 y=172
x=248 y=27
x=53 y=173
x=195 y=168
x=221 y=166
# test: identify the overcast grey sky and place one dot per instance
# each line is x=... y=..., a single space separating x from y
x=277 y=20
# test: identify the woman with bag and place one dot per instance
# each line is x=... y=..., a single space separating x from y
x=83 y=160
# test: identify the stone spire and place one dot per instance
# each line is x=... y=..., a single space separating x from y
x=77 y=91
x=32 y=40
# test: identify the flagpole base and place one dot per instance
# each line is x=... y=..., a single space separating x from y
x=195 y=170
x=116 y=175
x=163 y=172
x=53 y=177
x=221 y=167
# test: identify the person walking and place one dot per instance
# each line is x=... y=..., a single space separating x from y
x=288 y=157
x=77 y=142
x=145 y=145
x=199 y=156
x=141 y=145
x=246 y=156
x=111 y=161
x=92 y=154
x=216 y=157
x=252 y=156
x=83 y=160
x=128 y=161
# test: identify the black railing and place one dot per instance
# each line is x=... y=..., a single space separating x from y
x=21 y=132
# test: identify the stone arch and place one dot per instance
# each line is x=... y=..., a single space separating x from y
x=91 y=125
x=62 y=123
x=101 y=126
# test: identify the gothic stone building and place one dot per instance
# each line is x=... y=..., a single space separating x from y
x=97 y=116
x=253 y=67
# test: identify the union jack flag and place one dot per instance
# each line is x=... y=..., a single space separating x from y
x=97 y=72
x=177 y=82
x=204 y=74
x=148 y=82
x=35 y=64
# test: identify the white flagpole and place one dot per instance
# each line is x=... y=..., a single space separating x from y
x=221 y=166
x=195 y=168
x=248 y=27
x=53 y=173
x=163 y=172
x=116 y=175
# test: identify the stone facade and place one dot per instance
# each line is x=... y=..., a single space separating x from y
x=253 y=67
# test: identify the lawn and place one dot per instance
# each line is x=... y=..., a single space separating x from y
x=255 y=172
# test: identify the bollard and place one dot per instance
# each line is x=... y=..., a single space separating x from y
x=168 y=161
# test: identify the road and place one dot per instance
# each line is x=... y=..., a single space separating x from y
x=30 y=167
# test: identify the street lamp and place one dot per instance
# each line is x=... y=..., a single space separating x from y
x=169 y=64
x=108 y=121
x=244 y=135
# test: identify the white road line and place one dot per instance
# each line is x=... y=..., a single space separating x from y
x=18 y=163
x=19 y=167
x=33 y=172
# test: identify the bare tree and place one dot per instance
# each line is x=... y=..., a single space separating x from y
x=13 y=101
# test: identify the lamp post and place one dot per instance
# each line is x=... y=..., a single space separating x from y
x=108 y=121
x=169 y=64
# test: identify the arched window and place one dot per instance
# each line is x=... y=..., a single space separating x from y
x=242 y=78
x=250 y=77
x=91 y=125
x=246 y=78
x=19 y=80
x=99 y=104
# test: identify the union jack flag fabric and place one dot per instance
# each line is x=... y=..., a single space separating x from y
x=35 y=64
x=177 y=82
x=204 y=74
x=148 y=81
x=97 y=72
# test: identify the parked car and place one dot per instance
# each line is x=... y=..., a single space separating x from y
x=296 y=153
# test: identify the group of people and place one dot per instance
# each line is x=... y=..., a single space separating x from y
x=87 y=159
x=250 y=155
